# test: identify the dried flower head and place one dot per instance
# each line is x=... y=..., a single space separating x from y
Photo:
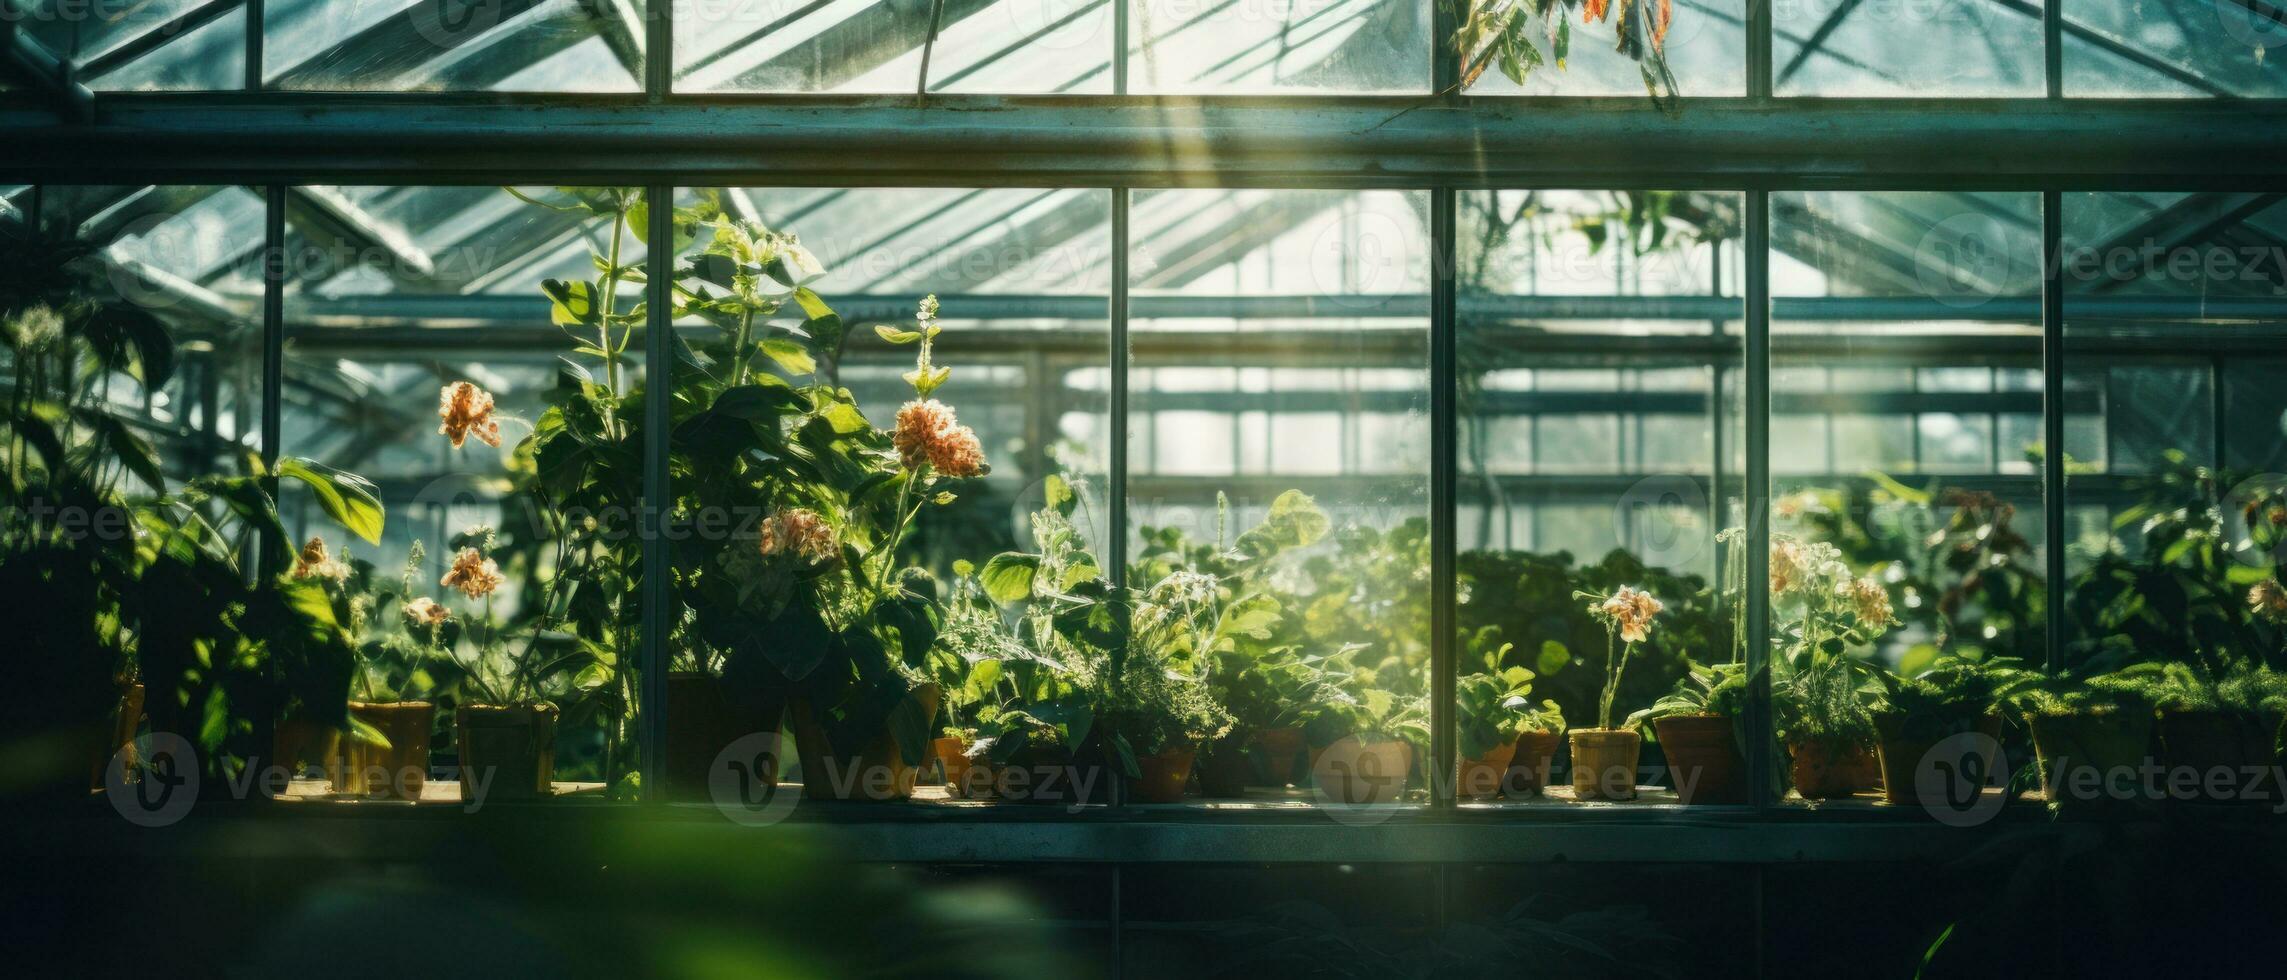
x=315 y=563
x=1789 y=566
x=1631 y=610
x=2268 y=600
x=1869 y=600
x=472 y=574
x=799 y=533
x=466 y=410
x=928 y=434
x=425 y=611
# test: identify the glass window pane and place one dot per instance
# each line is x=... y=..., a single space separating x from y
x=505 y=449
x=1705 y=49
x=1181 y=46
x=1595 y=331
x=2174 y=48
x=159 y=45
x=455 y=45
x=2173 y=314
x=1907 y=324
x=984 y=46
x=1299 y=319
x=1906 y=48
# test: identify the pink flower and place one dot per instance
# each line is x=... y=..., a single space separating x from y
x=1631 y=610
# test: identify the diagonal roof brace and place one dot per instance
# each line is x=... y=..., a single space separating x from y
x=26 y=60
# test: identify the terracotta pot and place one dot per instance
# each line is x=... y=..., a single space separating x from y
x=1825 y=771
x=2080 y=752
x=1355 y=771
x=964 y=777
x=1049 y=774
x=297 y=745
x=1166 y=775
x=126 y=717
x=1703 y=758
x=875 y=771
x=1901 y=752
x=1534 y=761
x=703 y=720
x=2216 y=749
x=1604 y=763
x=1224 y=770
x=397 y=772
x=1481 y=777
x=1279 y=747
x=508 y=752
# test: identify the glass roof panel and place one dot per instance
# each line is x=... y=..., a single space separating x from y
x=878 y=46
x=2186 y=48
x=1881 y=48
x=1706 y=49
x=154 y=45
x=421 y=45
x=1263 y=46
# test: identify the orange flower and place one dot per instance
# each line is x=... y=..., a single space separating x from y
x=472 y=574
x=800 y=533
x=1594 y=10
x=1632 y=611
x=315 y=563
x=928 y=434
x=1869 y=600
x=425 y=611
x=1661 y=21
x=2268 y=600
x=466 y=410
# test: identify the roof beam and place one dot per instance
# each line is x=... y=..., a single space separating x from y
x=32 y=65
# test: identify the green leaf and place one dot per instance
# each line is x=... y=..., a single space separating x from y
x=1554 y=657
x=576 y=304
x=346 y=497
x=813 y=306
x=1008 y=576
x=790 y=355
x=1058 y=493
x=896 y=336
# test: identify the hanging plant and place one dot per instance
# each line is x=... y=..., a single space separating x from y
x=1502 y=33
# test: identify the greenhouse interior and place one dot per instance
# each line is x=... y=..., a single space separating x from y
x=1380 y=488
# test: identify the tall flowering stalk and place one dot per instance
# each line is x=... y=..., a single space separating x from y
x=1627 y=617
x=929 y=439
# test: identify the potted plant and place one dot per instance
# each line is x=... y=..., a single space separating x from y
x=1363 y=742
x=1822 y=690
x=1497 y=716
x=384 y=752
x=1698 y=729
x=2089 y=723
x=2218 y=726
x=1604 y=758
x=1951 y=696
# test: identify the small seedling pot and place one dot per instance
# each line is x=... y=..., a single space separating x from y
x=1703 y=758
x=1533 y=762
x=1604 y=763
x=1825 y=770
x=1166 y=775
x=508 y=752
x=1279 y=747
x=395 y=772
x=1481 y=777
x=1355 y=771
x=1901 y=756
x=2083 y=753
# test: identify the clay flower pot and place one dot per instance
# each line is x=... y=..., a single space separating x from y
x=1826 y=771
x=1703 y=758
x=508 y=752
x=397 y=772
x=2079 y=751
x=875 y=771
x=1354 y=771
x=1224 y=770
x=704 y=719
x=1604 y=763
x=1166 y=774
x=1482 y=777
x=1534 y=761
x=2215 y=742
x=1279 y=747
x=126 y=717
x=1901 y=755
x=964 y=777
